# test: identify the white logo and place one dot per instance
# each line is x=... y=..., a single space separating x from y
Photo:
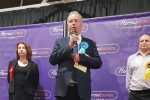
x=3 y=73
x=103 y=95
x=12 y=33
x=120 y=71
x=41 y=52
x=42 y=94
x=56 y=30
x=52 y=73
x=85 y=27
x=108 y=48
x=133 y=23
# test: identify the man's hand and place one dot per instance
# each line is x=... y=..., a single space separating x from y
x=75 y=57
x=73 y=39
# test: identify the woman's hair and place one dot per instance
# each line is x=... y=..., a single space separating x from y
x=28 y=49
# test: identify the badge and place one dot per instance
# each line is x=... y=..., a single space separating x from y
x=147 y=72
x=83 y=46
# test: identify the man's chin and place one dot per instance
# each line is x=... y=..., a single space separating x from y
x=145 y=49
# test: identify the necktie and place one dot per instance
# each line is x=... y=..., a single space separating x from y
x=75 y=48
x=75 y=51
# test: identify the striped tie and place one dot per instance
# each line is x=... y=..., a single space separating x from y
x=75 y=51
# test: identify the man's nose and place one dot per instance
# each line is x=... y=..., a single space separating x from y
x=145 y=41
x=73 y=22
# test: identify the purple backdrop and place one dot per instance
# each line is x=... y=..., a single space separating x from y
x=116 y=38
x=41 y=38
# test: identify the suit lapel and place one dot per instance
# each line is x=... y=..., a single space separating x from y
x=28 y=68
x=86 y=40
x=67 y=39
x=14 y=63
x=83 y=39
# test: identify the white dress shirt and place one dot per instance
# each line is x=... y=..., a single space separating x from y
x=135 y=71
x=79 y=41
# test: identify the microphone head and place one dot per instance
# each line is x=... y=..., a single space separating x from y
x=74 y=31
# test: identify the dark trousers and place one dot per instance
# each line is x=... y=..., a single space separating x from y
x=139 y=95
x=72 y=94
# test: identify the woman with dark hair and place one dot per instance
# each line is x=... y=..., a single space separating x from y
x=23 y=74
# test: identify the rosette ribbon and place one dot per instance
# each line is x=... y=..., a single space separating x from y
x=11 y=73
x=147 y=72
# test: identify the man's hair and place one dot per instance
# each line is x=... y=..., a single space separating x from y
x=144 y=34
x=75 y=12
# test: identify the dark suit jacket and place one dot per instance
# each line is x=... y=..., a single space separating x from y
x=61 y=56
x=32 y=78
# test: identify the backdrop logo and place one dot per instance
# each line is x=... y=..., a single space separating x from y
x=3 y=74
x=120 y=71
x=56 y=30
x=42 y=94
x=12 y=33
x=85 y=27
x=108 y=48
x=41 y=52
x=104 y=95
x=52 y=73
x=133 y=23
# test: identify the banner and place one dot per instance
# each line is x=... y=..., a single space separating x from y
x=41 y=38
x=116 y=38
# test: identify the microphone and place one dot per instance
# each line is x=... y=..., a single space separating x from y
x=74 y=31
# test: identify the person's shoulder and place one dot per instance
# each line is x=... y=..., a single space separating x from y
x=132 y=56
x=62 y=38
x=34 y=63
x=89 y=40
x=12 y=60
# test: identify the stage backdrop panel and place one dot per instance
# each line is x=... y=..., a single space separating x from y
x=41 y=38
x=116 y=38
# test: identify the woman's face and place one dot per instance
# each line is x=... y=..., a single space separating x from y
x=22 y=50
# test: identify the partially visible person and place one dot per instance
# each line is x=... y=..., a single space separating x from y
x=23 y=74
x=71 y=54
x=137 y=75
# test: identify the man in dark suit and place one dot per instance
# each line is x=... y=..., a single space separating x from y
x=74 y=83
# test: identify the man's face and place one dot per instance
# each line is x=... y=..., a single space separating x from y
x=144 y=42
x=74 y=21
